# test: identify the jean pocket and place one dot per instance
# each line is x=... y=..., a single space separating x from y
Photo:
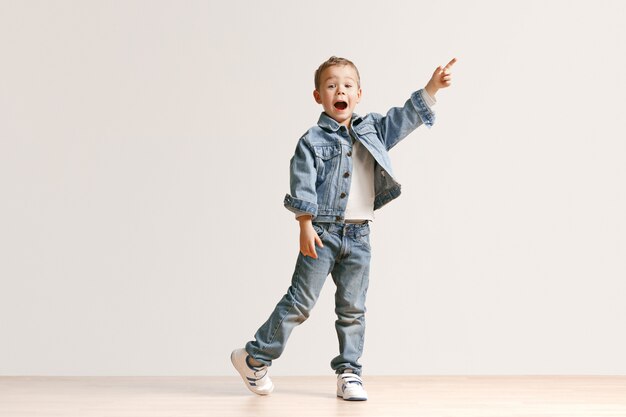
x=363 y=236
x=319 y=230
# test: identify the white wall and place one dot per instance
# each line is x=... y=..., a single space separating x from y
x=144 y=154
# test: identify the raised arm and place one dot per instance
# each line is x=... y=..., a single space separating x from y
x=400 y=121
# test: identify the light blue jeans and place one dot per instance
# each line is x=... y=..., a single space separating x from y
x=346 y=256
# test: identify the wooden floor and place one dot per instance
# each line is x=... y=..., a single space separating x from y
x=475 y=396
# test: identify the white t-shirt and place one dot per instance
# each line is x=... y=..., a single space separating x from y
x=360 y=204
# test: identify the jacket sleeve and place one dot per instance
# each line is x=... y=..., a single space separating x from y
x=400 y=121
x=302 y=178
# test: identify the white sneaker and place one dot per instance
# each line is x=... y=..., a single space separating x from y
x=350 y=387
x=256 y=379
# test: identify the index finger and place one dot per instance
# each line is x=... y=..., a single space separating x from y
x=449 y=64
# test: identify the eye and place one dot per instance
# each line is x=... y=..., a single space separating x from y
x=348 y=85
x=331 y=85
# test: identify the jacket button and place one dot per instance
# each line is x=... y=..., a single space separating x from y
x=349 y=153
x=346 y=175
x=338 y=218
x=342 y=195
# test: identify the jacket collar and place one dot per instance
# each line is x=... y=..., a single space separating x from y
x=327 y=122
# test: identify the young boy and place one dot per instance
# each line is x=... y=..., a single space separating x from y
x=340 y=173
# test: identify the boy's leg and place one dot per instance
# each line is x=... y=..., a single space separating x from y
x=296 y=305
x=351 y=276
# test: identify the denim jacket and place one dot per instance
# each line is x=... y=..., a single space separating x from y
x=321 y=166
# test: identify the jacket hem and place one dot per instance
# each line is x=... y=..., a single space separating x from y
x=386 y=197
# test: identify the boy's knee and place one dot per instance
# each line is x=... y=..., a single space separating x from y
x=300 y=310
x=350 y=312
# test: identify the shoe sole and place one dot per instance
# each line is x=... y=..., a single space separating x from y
x=351 y=399
x=340 y=395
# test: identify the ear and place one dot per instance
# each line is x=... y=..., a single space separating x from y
x=318 y=98
x=358 y=96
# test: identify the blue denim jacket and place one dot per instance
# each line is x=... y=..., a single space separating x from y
x=321 y=166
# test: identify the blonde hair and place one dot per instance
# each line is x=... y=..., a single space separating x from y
x=333 y=60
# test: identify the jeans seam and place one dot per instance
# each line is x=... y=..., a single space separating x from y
x=292 y=306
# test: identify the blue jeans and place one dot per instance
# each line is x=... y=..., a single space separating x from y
x=346 y=256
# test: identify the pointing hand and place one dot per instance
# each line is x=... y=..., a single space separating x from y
x=442 y=78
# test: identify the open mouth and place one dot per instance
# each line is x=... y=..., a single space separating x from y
x=341 y=105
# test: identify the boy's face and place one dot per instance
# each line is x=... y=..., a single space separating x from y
x=339 y=92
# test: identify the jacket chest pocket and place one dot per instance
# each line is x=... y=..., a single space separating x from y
x=368 y=133
x=366 y=130
x=327 y=159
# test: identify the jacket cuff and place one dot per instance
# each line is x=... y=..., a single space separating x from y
x=300 y=206
x=423 y=110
